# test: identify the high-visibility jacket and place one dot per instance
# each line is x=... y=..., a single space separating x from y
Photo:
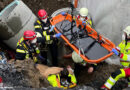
x=125 y=53
x=43 y=29
x=54 y=80
x=87 y=20
x=23 y=51
x=116 y=76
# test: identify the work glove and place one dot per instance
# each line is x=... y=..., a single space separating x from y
x=58 y=35
x=42 y=59
x=83 y=22
x=52 y=28
x=63 y=13
x=115 y=51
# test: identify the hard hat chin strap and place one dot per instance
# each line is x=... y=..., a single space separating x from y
x=126 y=39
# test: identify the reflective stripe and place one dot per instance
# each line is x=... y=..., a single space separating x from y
x=108 y=85
x=37 y=26
x=44 y=33
x=48 y=37
x=21 y=39
x=38 y=34
x=58 y=81
x=118 y=48
x=110 y=82
x=38 y=22
x=21 y=51
x=37 y=50
x=128 y=57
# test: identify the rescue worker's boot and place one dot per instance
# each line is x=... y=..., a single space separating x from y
x=104 y=88
x=68 y=56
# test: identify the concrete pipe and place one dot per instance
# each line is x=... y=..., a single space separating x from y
x=14 y=20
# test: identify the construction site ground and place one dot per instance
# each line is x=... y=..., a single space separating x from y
x=94 y=80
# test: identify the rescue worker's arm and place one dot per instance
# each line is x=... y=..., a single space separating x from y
x=125 y=57
x=89 y=22
x=37 y=26
x=52 y=80
x=20 y=53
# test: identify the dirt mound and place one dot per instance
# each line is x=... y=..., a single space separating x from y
x=31 y=74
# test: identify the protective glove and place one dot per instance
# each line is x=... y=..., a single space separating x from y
x=83 y=22
x=63 y=13
x=42 y=59
x=58 y=35
x=115 y=51
x=52 y=28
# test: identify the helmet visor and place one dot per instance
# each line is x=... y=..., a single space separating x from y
x=44 y=17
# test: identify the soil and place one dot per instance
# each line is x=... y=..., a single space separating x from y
x=49 y=5
x=4 y=3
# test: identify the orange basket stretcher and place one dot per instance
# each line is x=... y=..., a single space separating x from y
x=92 y=47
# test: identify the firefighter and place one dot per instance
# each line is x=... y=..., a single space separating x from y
x=27 y=48
x=65 y=79
x=80 y=64
x=83 y=16
x=123 y=51
x=46 y=35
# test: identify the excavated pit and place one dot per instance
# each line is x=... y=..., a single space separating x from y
x=28 y=76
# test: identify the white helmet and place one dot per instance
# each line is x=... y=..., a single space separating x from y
x=83 y=12
x=127 y=31
x=76 y=57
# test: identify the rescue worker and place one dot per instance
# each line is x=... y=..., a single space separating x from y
x=83 y=16
x=80 y=64
x=123 y=51
x=65 y=79
x=26 y=47
x=46 y=35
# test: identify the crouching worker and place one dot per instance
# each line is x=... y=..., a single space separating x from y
x=27 y=47
x=58 y=77
x=81 y=64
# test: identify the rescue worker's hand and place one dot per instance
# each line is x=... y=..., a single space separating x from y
x=83 y=22
x=63 y=13
x=41 y=57
x=115 y=51
x=52 y=28
x=57 y=35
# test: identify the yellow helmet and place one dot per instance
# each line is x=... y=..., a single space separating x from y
x=83 y=12
x=76 y=57
x=127 y=31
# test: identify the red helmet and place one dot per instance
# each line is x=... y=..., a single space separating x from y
x=42 y=14
x=29 y=35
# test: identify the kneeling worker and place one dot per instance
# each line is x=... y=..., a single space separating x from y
x=58 y=77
